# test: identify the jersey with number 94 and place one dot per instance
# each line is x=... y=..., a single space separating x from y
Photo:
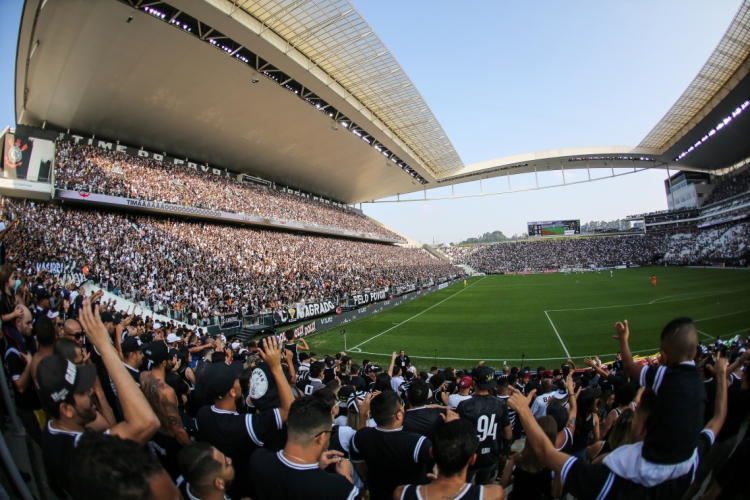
x=490 y=417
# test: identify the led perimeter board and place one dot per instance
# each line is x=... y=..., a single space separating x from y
x=554 y=228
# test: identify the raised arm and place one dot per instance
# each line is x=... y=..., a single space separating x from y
x=303 y=345
x=720 y=404
x=271 y=354
x=632 y=368
x=592 y=364
x=140 y=422
x=393 y=362
x=535 y=436
x=738 y=362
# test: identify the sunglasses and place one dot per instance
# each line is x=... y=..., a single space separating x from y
x=77 y=336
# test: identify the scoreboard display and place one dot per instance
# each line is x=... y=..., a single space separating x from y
x=555 y=228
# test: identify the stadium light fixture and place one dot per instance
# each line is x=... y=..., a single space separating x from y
x=334 y=126
x=723 y=123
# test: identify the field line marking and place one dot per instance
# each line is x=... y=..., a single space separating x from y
x=558 y=335
x=418 y=314
x=503 y=359
x=704 y=333
x=721 y=315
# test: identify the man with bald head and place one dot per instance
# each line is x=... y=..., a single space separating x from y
x=547 y=390
x=19 y=349
x=73 y=331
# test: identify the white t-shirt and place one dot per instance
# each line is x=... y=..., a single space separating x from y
x=454 y=399
x=396 y=383
x=539 y=407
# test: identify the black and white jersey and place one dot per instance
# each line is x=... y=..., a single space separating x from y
x=472 y=492
x=295 y=353
x=303 y=372
x=57 y=446
x=598 y=482
x=424 y=421
x=511 y=411
x=489 y=415
x=675 y=423
x=329 y=373
x=310 y=385
x=275 y=477
x=237 y=436
x=393 y=457
x=15 y=346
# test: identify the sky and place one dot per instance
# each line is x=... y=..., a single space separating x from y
x=506 y=78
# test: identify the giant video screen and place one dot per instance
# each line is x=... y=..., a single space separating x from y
x=554 y=228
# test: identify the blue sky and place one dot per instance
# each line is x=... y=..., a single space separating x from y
x=513 y=77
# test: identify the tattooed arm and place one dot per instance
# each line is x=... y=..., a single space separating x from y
x=163 y=401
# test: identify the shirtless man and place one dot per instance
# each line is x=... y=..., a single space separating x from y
x=171 y=437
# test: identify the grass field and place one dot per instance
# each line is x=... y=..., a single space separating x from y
x=547 y=318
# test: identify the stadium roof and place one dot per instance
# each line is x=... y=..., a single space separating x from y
x=256 y=86
x=148 y=74
x=337 y=39
x=714 y=80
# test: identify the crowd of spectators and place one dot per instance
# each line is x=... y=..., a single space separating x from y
x=126 y=408
x=563 y=253
x=723 y=242
x=96 y=170
x=733 y=185
x=209 y=269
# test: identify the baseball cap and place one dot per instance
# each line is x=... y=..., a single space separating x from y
x=57 y=379
x=157 y=351
x=303 y=356
x=235 y=345
x=351 y=403
x=465 y=382
x=131 y=344
x=523 y=374
x=171 y=338
x=562 y=391
x=484 y=376
x=219 y=378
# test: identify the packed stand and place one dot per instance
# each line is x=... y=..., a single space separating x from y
x=731 y=186
x=210 y=269
x=724 y=242
x=568 y=253
x=127 y=408
x=91 y=169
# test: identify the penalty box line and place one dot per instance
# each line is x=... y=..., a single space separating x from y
x=558 y=335
x=418 y=314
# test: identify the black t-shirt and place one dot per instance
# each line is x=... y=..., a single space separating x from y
x=236 y=436
x=528 y=485
x=424 y=421
x=708 y=413
x=489 y=415
x=738 y=406
x=358 y=383
x=675 y=423
x=57 y=446
x=402 y=362
x=28 y=400
x=276 y=477
x=598 y=482
x=295 y=353
x=7 y=303
x=393 y=457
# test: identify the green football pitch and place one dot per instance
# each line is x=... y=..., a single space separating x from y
x=547 y=317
